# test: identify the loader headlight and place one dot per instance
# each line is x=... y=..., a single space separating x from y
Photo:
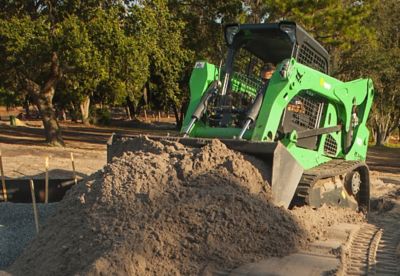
x=285 y=69
x=230 y=32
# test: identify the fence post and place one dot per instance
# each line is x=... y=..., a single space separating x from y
x=73 y=168
x=46 y=188
x=35 y=214
x=3 y=180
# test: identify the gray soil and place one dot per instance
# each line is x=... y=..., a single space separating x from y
x=17 y=228
x=171 y=210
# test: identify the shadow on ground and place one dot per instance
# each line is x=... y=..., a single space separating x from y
x=384 y=159
x=76 y=134
x=60 y=181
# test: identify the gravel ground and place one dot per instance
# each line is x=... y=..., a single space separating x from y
x=17 y=228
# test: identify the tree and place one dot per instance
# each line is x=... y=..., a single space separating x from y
x=112 y=52
x=386 y=114
x=9 y=98
x=29 y=62
x=161 y=33
x=204 y=25
x=202 y=34
x=79 y=44
x=375 y=58
x=337 y=25
x=124 y=52
x=85 y=63
x=30 y=55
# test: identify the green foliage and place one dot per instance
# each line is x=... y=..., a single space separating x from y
x=79 y=55
x=158 y=35
x=334 y=23
x=103 y=61
x=111 y=50
x=204 y=20
x=337 y=25
x=101 y=116
x=376 y=58
x=9 y=98
x=25 y=50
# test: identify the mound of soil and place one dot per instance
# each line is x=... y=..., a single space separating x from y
x=316 y=222
x=168 y=210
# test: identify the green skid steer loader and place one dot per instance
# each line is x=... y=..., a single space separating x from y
x=308 y=126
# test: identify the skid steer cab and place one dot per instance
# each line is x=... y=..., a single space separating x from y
x=308 y=126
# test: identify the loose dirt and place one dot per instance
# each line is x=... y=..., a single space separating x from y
x=171 y=210
x=384 y=220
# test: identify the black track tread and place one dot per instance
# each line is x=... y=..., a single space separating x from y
x=329 y=169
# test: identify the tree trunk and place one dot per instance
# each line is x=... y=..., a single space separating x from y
x=130 y=106
x=73 y=113
x=84 y=105
x=398 y=134
x=52 y=131
x=63 y=114
x=385 y=119
x=382 y=135
x=26 y=107
x=184 y=107
x=379 y=138
x=50 y=123
x=178 y=116
x=43 y=99
x=128 y=113
x=373 y=133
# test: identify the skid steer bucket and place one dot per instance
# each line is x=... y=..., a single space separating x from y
x=286 y=171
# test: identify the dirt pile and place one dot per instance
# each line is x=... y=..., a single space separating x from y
x=315 y=222
x=169 y=210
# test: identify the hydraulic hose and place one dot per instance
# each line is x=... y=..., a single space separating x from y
x=252 y=113
x=201 y=107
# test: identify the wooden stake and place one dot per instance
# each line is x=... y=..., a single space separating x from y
x=35 y=214
x=46 y=188
x=73 y=168
x=3 y=180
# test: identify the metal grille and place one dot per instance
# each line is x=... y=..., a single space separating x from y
x=311 y=58
x=330 y=146
x=306 y=111
x=245 y=84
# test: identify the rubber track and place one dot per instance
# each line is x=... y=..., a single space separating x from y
x=372 y=251
x=326 y=170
